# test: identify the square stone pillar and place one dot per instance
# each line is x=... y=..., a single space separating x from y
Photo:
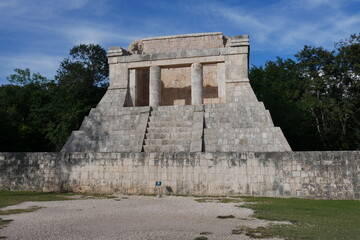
x=155 y=86
x=221 y=82
x=132 y=85
x=197 y=84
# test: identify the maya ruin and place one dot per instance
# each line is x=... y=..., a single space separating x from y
x=181 y=110
x=186 y=93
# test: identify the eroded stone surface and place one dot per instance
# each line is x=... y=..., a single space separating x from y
x=182 y=70
x=331 y=175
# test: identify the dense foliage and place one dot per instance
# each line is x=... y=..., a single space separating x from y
x=316 y=99
x=37 y=114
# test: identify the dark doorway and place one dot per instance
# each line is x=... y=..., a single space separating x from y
x=142 y=87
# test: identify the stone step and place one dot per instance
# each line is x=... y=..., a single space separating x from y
x=173 y=108
x=180 y=136
x=81 y=141
x=170 y=124
x=120 y=111
x=172 y=113
x=123 y=133
x=99 y=147
x=179 y=118
x=251 y=110
x=237 y=125
x=234 y=106
x=166 y=148
x=237 y=114
x=101 y=117
x=224 y=131
x=167 y=141
x=114 y=135
x=240 y=123
x=244 y=148
x=168 y=129
x=249 y=139
x=108 y=126
x=238 y=118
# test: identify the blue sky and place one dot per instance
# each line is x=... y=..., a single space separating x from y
x=38 y=34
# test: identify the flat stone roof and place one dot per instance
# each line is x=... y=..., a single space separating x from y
x=183 y=36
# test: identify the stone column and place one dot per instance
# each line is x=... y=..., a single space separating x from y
x=132 y=85
x=196 y=84
x=155 y=86
x=221 y=82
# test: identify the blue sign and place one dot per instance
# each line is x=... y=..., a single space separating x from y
x=158 y=183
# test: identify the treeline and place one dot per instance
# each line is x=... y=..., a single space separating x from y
x=38 y=114
x=315 y=99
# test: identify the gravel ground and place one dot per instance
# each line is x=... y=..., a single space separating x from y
x=130 y=217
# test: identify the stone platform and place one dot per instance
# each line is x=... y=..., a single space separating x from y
x=184 y=93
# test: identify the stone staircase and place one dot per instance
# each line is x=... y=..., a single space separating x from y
x=233 y=127
x=111 y=131
x=110 y=127
x=174 y=129
x=238 y=127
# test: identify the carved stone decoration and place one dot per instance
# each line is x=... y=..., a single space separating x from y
x=136 y=47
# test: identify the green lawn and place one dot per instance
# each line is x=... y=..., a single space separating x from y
x=8 y=198
x=312 y=219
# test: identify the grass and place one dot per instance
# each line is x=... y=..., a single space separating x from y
x=312 y=219
x=8 y=198
x=251 y=232
x=16 y=211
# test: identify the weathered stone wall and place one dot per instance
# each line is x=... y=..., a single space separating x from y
x=182 y=42
x=31 y=171
x=283 y=174
x=176 y=86
x=210 y=84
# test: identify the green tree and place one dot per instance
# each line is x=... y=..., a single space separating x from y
x=315 y=99
x=18 y=131
x=82 y=80
x=37 y=114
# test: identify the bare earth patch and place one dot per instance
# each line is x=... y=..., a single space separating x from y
x=130 y=217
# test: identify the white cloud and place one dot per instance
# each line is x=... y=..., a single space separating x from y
x=93 y=33
x=43 y=63
x=284 y=28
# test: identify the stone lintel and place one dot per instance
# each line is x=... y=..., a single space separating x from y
x=181 y=54
x=185 y=62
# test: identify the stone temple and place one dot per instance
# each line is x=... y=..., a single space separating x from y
x=180 y=111
x=184 y=93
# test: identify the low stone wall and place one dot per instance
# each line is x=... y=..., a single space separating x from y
x=280 y=174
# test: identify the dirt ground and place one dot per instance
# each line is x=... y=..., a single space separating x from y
x=129 y=217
